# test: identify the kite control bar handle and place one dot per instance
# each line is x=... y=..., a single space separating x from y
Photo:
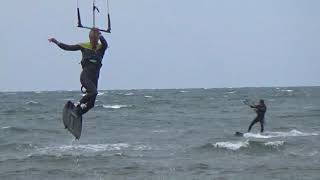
x=85 y=27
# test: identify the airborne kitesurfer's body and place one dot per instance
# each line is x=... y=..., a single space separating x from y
x=260 y=109
x=92 y=55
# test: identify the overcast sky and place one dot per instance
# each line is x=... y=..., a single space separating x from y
x=164 y=44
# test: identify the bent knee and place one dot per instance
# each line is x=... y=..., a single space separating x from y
x=92 y=93
x=90 y=104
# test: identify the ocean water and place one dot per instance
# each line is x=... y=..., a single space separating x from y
x=162 y=134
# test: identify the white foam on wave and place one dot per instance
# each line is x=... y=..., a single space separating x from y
x=67 y=99
x=88 y=149
x=232 y=145
x=267 y=135
x=115 y=106
x=83 y=148
x=286 y=90
x=183 y=91
x=274 y=143
x=159 y=131
x=10 y=93
x=6 y=127
x=100 y=93
x=252 y=135
x=32 y=102
x=244 y=144
x=141 y=148
x=148 y=96
x=129 y=94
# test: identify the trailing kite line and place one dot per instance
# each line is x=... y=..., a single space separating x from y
x=94 y=10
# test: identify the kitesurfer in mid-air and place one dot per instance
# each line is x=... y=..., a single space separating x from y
x=92 y=55
x=260 y=109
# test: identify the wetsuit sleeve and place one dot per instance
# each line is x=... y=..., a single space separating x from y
x=104 y=43
x=69 y=47
x=260 y=107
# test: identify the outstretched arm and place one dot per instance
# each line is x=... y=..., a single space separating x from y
x=254 y=106
x=258 y=107
x=65 y=46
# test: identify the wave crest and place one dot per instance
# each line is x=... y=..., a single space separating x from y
x=266 y=135
x=232 y=145
x=115 y=106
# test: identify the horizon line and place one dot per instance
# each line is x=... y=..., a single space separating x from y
x=126 y=89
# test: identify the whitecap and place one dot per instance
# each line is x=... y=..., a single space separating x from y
x=148 y=96
x=100 y=93
x=83 y=148
x=115 y=106
x=313 y=153
x=232 y=145
x=291 y=133
x=159 y=131
x=88 y=149
x=141 y=148
x=32 y=102
x=67 y=99
x=303 y=152
x=6 y=127
x=286 y=90
x=274 y=143
x=128 y=94
x=253 y=135
x=38 y=92
x=183 y=91
x=10 y=93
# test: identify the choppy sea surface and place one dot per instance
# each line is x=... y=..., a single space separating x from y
x=162 y=134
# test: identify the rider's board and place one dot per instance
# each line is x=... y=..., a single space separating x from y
x=72 y=120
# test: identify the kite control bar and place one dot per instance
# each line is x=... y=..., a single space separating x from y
x=248 y=102
x=94 y=9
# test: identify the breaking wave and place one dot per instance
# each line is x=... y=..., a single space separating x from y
x=115 y=106
x=266 y=135
x=87 y=149
x=230 y=145
x=32 y=103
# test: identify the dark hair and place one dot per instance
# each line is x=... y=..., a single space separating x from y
x=262 y=101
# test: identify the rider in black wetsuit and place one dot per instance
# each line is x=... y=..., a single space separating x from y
x=260 y=109
x=92 y=55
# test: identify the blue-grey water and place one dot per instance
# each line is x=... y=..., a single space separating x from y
x=162 y=134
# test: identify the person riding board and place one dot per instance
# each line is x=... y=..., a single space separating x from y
x=260 y=109
x=92 y=55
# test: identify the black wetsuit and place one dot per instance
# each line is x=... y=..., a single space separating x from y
x=91 y=64
x=260 y=110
